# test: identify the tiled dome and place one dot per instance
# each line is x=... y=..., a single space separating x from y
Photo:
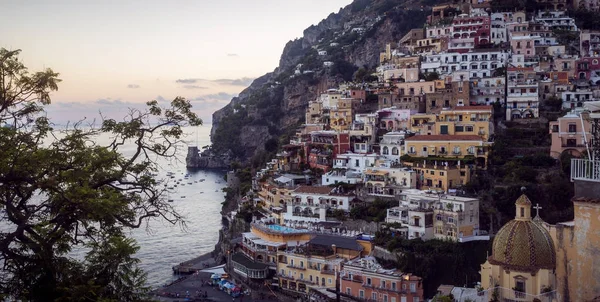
x=523 y=244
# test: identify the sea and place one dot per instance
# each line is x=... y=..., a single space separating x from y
x=198 y=197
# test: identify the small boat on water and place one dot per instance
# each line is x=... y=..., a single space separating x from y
x=189 y=183
x=170 y=200
x=182 y=196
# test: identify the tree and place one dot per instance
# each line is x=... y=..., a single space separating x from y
x=71 y=193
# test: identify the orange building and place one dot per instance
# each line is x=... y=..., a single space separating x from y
x=365 y=279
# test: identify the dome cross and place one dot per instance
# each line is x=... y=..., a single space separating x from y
x=537 y=209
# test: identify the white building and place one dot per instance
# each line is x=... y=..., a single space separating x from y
x=556 y=20
x=310 y=203
x=452 y=217
x=575 y=99
x=391 y=145
x=487 y=91
x=498 y=30
x=478 y=63
x=355 y=161
x=523 y=100
x=343 y=175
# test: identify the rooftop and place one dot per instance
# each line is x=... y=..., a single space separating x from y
x=426 y=138
x=339 y=241
x=314 y=190
x=471 y=108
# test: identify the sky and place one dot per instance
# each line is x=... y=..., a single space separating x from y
x=114 y=54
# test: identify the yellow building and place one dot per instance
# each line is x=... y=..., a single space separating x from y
x=436 y=175
x=341 y=117
x=523 y=261
x=453 y=147
x=466 y=120
x=314 y=265
x=423 y=123
x=314 y=113
x=272 y=195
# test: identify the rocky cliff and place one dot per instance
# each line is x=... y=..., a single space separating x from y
x=252 y=126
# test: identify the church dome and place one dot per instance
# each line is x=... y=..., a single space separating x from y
x=523 y=244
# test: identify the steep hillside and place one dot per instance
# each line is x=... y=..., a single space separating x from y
x=252 y=126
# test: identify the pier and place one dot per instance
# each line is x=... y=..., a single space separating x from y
x=194 y=265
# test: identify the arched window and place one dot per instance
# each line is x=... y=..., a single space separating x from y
x=385 y=150
x=394 y=151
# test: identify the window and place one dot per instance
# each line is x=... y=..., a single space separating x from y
x=348 y=291
x=438 y=217
x=416 y=299
x=572 y=128
x=386 y=150
x=329 y=280
x=356 y=163
x=413 y=287
x=292 y=262
x=283 y=272
x=374 y=296
x=520 y=285
x=459 y=129
x=361 y=294
x=522 y=212
x=424 y=149
x=385 y=298
x=394 y=285
x=301 y=263
x=441 y=173
x=368 y=281
x=394 y=151
x=469 y=128
x=301 y=276
x=450 y=220
x=444 y=129
x=460 y=89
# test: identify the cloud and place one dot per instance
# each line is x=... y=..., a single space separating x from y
x=194 y=87
x=232 y=55
x=220 y=96
x=133 y=86
x=187 y=81
x=245 y=81
x=109 y=101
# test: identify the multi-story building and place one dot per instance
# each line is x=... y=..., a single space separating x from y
x=415 y=221
x=439 y=31
x=289 y=158
x=589 y=43
x=393 y=119
x=388 y=180
x=523 y=97
x=356 y=162
x=588 y=69
x=571 y=134
x=453 y=218
x=324 y=146
x=552 y=4
x=498 y=33
x=475 y=27
x=524 y=45
x=453 y=147
x=487 y=91
x=410 y=39
x=315 y=265
x=575 y=98
x=391 y=145
x=439 y=175
x=591 y=5
x=340 y=117
x=365 y=280
x=556 y=20
x=553 y=84
x=257 y=258
x=479 y=63
x=310 y=203
x=363 y=132
x=466 y=120
x=430 y=45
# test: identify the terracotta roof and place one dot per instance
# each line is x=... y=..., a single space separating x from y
x=444 y=138
x=313 y=190
x=467 y=108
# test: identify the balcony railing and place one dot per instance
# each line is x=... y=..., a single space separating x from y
x=585 y=169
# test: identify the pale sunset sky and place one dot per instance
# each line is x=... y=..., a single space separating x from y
x=115 y=54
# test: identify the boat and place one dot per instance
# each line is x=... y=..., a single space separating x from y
x=189 y=183
x=182 y=196
x=170 y=200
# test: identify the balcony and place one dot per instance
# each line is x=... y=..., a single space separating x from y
x=585 y=169
x=296 y=267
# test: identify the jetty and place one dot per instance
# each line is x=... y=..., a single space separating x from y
x=194 y=265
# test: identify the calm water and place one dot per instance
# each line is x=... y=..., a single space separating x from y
x=163 y=245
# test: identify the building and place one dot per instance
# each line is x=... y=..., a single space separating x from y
x=364 y=279
x=309 y=204
x=556 y=20
x=487 y=91
x=438 y=175
x=479 y=63
x=523 y=260
x=391 y=145
x=393 y=119
x=523 y=97
x=341 y=117
x=473 y=28
x=466 y=120
x=388 y=181
x=324 y=146
x=589 y=43
x=363 y=132
x=428 y=215
x=573 y=99
x=571 y=134
x=591 y=5
x=453 y=147
x=313 y=266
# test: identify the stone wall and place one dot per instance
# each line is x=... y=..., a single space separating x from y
x=361 y=226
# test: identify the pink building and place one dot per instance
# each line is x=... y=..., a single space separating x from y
x=568 y=135
x=365 y=280
x=475 y=28
x=523 y=45
x=588 y=68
